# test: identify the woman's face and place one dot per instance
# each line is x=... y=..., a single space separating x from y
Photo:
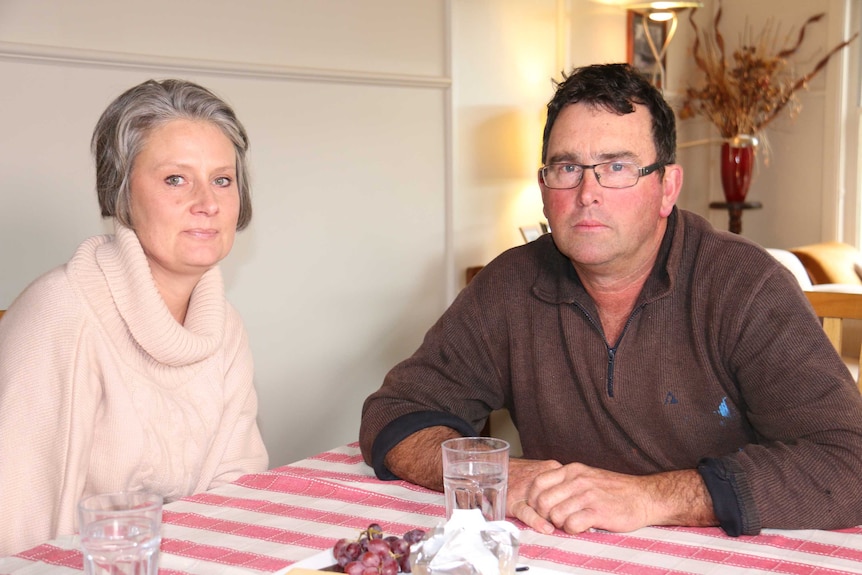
x=184 y=199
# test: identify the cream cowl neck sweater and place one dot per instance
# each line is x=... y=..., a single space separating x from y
x=102 y=390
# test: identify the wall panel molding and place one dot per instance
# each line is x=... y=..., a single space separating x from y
x=33 y=53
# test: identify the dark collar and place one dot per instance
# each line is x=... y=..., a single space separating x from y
x=558 y=282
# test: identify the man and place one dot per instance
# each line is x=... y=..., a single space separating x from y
x=659 y=372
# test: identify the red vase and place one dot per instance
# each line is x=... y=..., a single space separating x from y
x=737 y=164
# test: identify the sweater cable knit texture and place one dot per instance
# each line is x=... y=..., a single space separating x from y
x=102 y=390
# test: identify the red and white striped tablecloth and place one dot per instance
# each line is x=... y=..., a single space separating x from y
x=264 y=523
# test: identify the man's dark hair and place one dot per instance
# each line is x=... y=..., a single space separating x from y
x=615 y=88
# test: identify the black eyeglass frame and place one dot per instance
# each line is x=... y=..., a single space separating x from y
x=645 y=171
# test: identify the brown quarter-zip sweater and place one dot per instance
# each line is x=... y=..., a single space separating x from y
x=722 y=366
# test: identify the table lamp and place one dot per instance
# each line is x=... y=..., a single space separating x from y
x=657 y=12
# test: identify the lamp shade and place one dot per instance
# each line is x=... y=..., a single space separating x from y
x=662 y=5
x=657 y=5
x=658 y=11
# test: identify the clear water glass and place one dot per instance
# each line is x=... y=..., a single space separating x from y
x=476 y=475
x=121 y=533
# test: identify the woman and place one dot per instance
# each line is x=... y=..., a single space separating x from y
x=126 y=368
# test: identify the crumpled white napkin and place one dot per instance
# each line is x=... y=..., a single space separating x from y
x=469 y=545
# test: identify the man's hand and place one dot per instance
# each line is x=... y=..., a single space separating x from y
x=576 y=497
x=522 y=473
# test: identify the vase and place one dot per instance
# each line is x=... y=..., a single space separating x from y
x=737 y=165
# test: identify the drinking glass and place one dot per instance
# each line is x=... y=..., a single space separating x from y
x=475 y=475
x=121 y=533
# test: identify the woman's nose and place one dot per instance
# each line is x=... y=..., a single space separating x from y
x=206 y=200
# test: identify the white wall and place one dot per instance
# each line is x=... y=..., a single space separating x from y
x=507 y=53
x=503 y=64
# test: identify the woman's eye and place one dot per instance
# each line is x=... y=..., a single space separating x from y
x=174 y=180
x=223 y=181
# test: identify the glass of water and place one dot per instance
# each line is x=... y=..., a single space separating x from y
x=475 y=475
x=121 y=533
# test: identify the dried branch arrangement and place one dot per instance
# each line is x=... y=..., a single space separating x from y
x=743 y=96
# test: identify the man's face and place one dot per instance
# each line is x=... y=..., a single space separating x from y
x=602 y=228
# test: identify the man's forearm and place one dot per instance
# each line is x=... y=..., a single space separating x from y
x=418 y=458
x=681 y=498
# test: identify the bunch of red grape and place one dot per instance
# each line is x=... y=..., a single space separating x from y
x=374 y=554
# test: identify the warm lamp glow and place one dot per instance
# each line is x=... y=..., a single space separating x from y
x=645 y=6
x=661 y=6
x=660 y=16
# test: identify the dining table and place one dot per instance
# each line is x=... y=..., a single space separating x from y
x=291 y=516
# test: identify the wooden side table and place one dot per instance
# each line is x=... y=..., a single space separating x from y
x=734 y=210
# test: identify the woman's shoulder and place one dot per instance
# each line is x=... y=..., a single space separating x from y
x=57 y=295
x=48 y=310
x=49 y=293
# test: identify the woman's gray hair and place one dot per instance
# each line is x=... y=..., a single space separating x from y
x=124 y=126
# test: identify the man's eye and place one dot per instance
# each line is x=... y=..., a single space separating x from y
x=617 y=167
x=569 y=168
x=174 y=180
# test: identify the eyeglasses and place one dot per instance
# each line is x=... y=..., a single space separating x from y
x=564 y=176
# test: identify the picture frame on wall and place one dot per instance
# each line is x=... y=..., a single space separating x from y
x=534 y=232
x=639 y=54
x=530 y=233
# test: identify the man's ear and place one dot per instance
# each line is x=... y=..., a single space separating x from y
x=671 y=187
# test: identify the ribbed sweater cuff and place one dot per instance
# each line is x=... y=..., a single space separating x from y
x=731 y=499
x=399 y=428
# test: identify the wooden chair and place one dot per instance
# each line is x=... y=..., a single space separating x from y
x=2 y=311
x=834 y=307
